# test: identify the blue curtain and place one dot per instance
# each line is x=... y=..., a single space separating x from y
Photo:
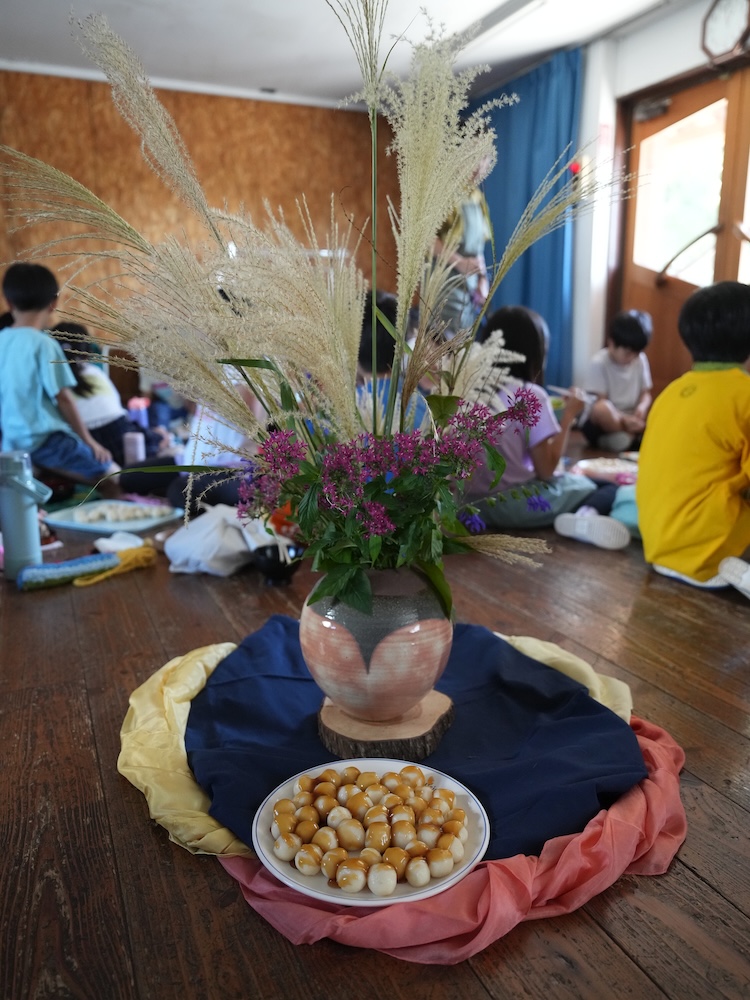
x=531 y=136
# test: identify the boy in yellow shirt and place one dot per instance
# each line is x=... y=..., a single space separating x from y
x=693 y=490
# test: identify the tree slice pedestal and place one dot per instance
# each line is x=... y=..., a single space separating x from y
x=413 y=736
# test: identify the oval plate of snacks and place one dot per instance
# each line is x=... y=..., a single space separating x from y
x=107 y=516
x=615 y=470
x=371 y=832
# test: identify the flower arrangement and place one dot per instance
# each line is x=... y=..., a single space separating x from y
x=367 y=485
x=380 y=501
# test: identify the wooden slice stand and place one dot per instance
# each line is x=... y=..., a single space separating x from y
x=413 y=736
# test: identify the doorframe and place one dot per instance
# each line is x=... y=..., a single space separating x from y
x=625 y=108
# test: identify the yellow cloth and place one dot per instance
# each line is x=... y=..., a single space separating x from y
x=144 y=555
x=607 y=691
x=153 y=757
x=693 y=469
x=152 y=738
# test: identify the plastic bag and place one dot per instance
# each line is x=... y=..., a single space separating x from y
x=216 y=543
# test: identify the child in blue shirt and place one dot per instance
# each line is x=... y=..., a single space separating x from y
x=38 y=413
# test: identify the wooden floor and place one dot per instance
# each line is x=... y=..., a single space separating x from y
x=95 y=902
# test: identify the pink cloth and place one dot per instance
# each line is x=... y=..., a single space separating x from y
x=639 y=835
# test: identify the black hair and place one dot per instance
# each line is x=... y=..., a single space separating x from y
x=384 y=342
x=83 y=386
x=6 y=319
x=29 y=287
x=79 y=333
x=631 y=329
x=525 y=332
x=714 y=323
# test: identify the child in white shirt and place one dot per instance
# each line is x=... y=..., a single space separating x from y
x=620 y=378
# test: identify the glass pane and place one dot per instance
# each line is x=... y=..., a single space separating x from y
x=679 y=187
x=744 y=272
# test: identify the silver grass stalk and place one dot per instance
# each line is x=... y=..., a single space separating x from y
x=161 y=143
x=37 y=192
x=437 y=154
x=507 y=548
x=362 y=21
x=433 y=355
x=560 y=197
x=485 y=365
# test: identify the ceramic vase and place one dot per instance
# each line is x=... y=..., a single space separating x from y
x=378 y=666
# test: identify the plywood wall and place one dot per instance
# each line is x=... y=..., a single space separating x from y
x=245 y=153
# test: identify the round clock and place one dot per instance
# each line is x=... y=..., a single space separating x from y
x=726 y=28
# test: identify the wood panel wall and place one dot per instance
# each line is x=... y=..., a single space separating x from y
x=245 y=153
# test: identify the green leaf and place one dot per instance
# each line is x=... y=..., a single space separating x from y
x=349 y=584
x=386 y=323
x=453 y=526
x=436 y=576
x=332 y=583
x=375 y=545
x=307 y=512
x=452 y=546
x=436 y=545
x=288 y=399
x=199 y=469
x=358 y=593
x=495 y=462
x=442 y=408
x=249 y=363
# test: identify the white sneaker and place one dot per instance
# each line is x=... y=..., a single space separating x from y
x=737 y=573
x=600 y=530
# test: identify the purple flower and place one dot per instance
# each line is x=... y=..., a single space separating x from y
x=473 y=522
x=374 y=519
x=525 y=407
x=537 y=504
x=282 y=453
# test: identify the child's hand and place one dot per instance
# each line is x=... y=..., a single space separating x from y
x=575 y=402
x=633 y=424
x=101 y=454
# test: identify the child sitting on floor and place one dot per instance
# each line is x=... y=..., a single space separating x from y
x=532 y=491
x=620 y=378
x=38 y=413
x=98 y=399
x=693 y=489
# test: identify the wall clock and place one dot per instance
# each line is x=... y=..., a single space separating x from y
x=725 y=29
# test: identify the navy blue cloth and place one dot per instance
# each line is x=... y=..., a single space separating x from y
x=540 y=754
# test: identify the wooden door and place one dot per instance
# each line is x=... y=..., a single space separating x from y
x=685 y=225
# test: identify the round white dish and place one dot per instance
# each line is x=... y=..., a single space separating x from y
x=614 y=469
x=317 y=886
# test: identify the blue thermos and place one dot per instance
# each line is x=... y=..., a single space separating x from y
x=20 y=495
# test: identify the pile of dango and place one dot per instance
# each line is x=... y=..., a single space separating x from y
x=364 y=830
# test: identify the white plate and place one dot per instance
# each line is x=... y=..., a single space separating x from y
x=614 y=469
x=66 y=518
x=317 y=885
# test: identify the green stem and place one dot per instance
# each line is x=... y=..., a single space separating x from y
x=374 y=259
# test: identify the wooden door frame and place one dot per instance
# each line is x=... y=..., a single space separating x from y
x=623 y=159
x=735 y=169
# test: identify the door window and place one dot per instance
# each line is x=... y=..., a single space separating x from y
x=687 y=223
x=678 y=196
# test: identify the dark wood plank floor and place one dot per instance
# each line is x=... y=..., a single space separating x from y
x=95 y=902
